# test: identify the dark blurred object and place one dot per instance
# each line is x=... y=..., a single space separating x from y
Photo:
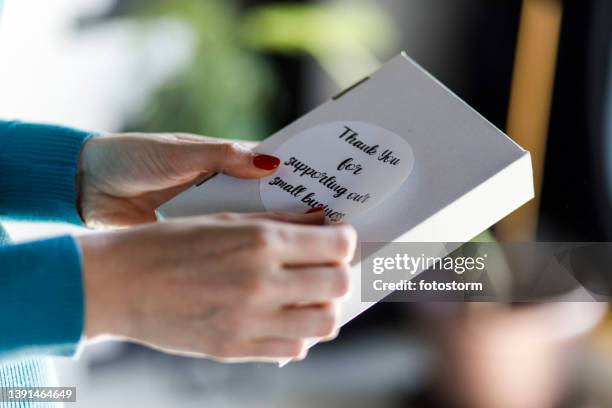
x=575 y=204
x=490 y=51
x=575 y=207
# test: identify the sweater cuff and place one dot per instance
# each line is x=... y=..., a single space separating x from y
x=41 y=298
x=39 y=164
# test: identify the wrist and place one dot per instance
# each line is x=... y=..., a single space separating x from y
x=80 y=177
x=103 y=301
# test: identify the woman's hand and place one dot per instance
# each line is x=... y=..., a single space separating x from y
x=125 y=177
x=232 y=287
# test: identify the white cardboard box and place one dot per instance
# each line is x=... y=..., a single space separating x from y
x=466 y=176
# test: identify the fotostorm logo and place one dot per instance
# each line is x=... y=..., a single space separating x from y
x=414 y=264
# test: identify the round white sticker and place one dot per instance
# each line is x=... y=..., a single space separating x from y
x=345 y=168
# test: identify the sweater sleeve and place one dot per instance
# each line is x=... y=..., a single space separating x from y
x=38 y=168
x=41 y=284
x=41 y=298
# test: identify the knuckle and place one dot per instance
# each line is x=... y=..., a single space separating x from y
x=259 y=235
x=285 y=234
x=227 y=149
x=262 y=236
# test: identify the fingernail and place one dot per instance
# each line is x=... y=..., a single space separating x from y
x=266 y=162
x=314 y=210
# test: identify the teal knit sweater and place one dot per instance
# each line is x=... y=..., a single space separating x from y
x=41 y=285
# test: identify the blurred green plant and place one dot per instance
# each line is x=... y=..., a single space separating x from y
x=225 y=90
x=343 y=39
x=229 y=89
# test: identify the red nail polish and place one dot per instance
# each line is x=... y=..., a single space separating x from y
x=265 y=162
x=314 y=210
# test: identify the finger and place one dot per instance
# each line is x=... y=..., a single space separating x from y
x=317 y=218
x=314 y=284
x=312 y=245
x=269 y=349
x=278 y=347
x=301 y=323
x=215 y=156
x=191 y=137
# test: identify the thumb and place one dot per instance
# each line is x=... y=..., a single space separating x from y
x=231 y=158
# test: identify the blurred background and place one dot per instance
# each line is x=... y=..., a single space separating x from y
x=539 y=69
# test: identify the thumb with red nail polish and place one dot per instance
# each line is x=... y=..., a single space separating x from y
x=266 y=162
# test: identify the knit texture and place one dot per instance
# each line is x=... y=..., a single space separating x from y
x=38 y=166
x=41 y=285
x=41 y=298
